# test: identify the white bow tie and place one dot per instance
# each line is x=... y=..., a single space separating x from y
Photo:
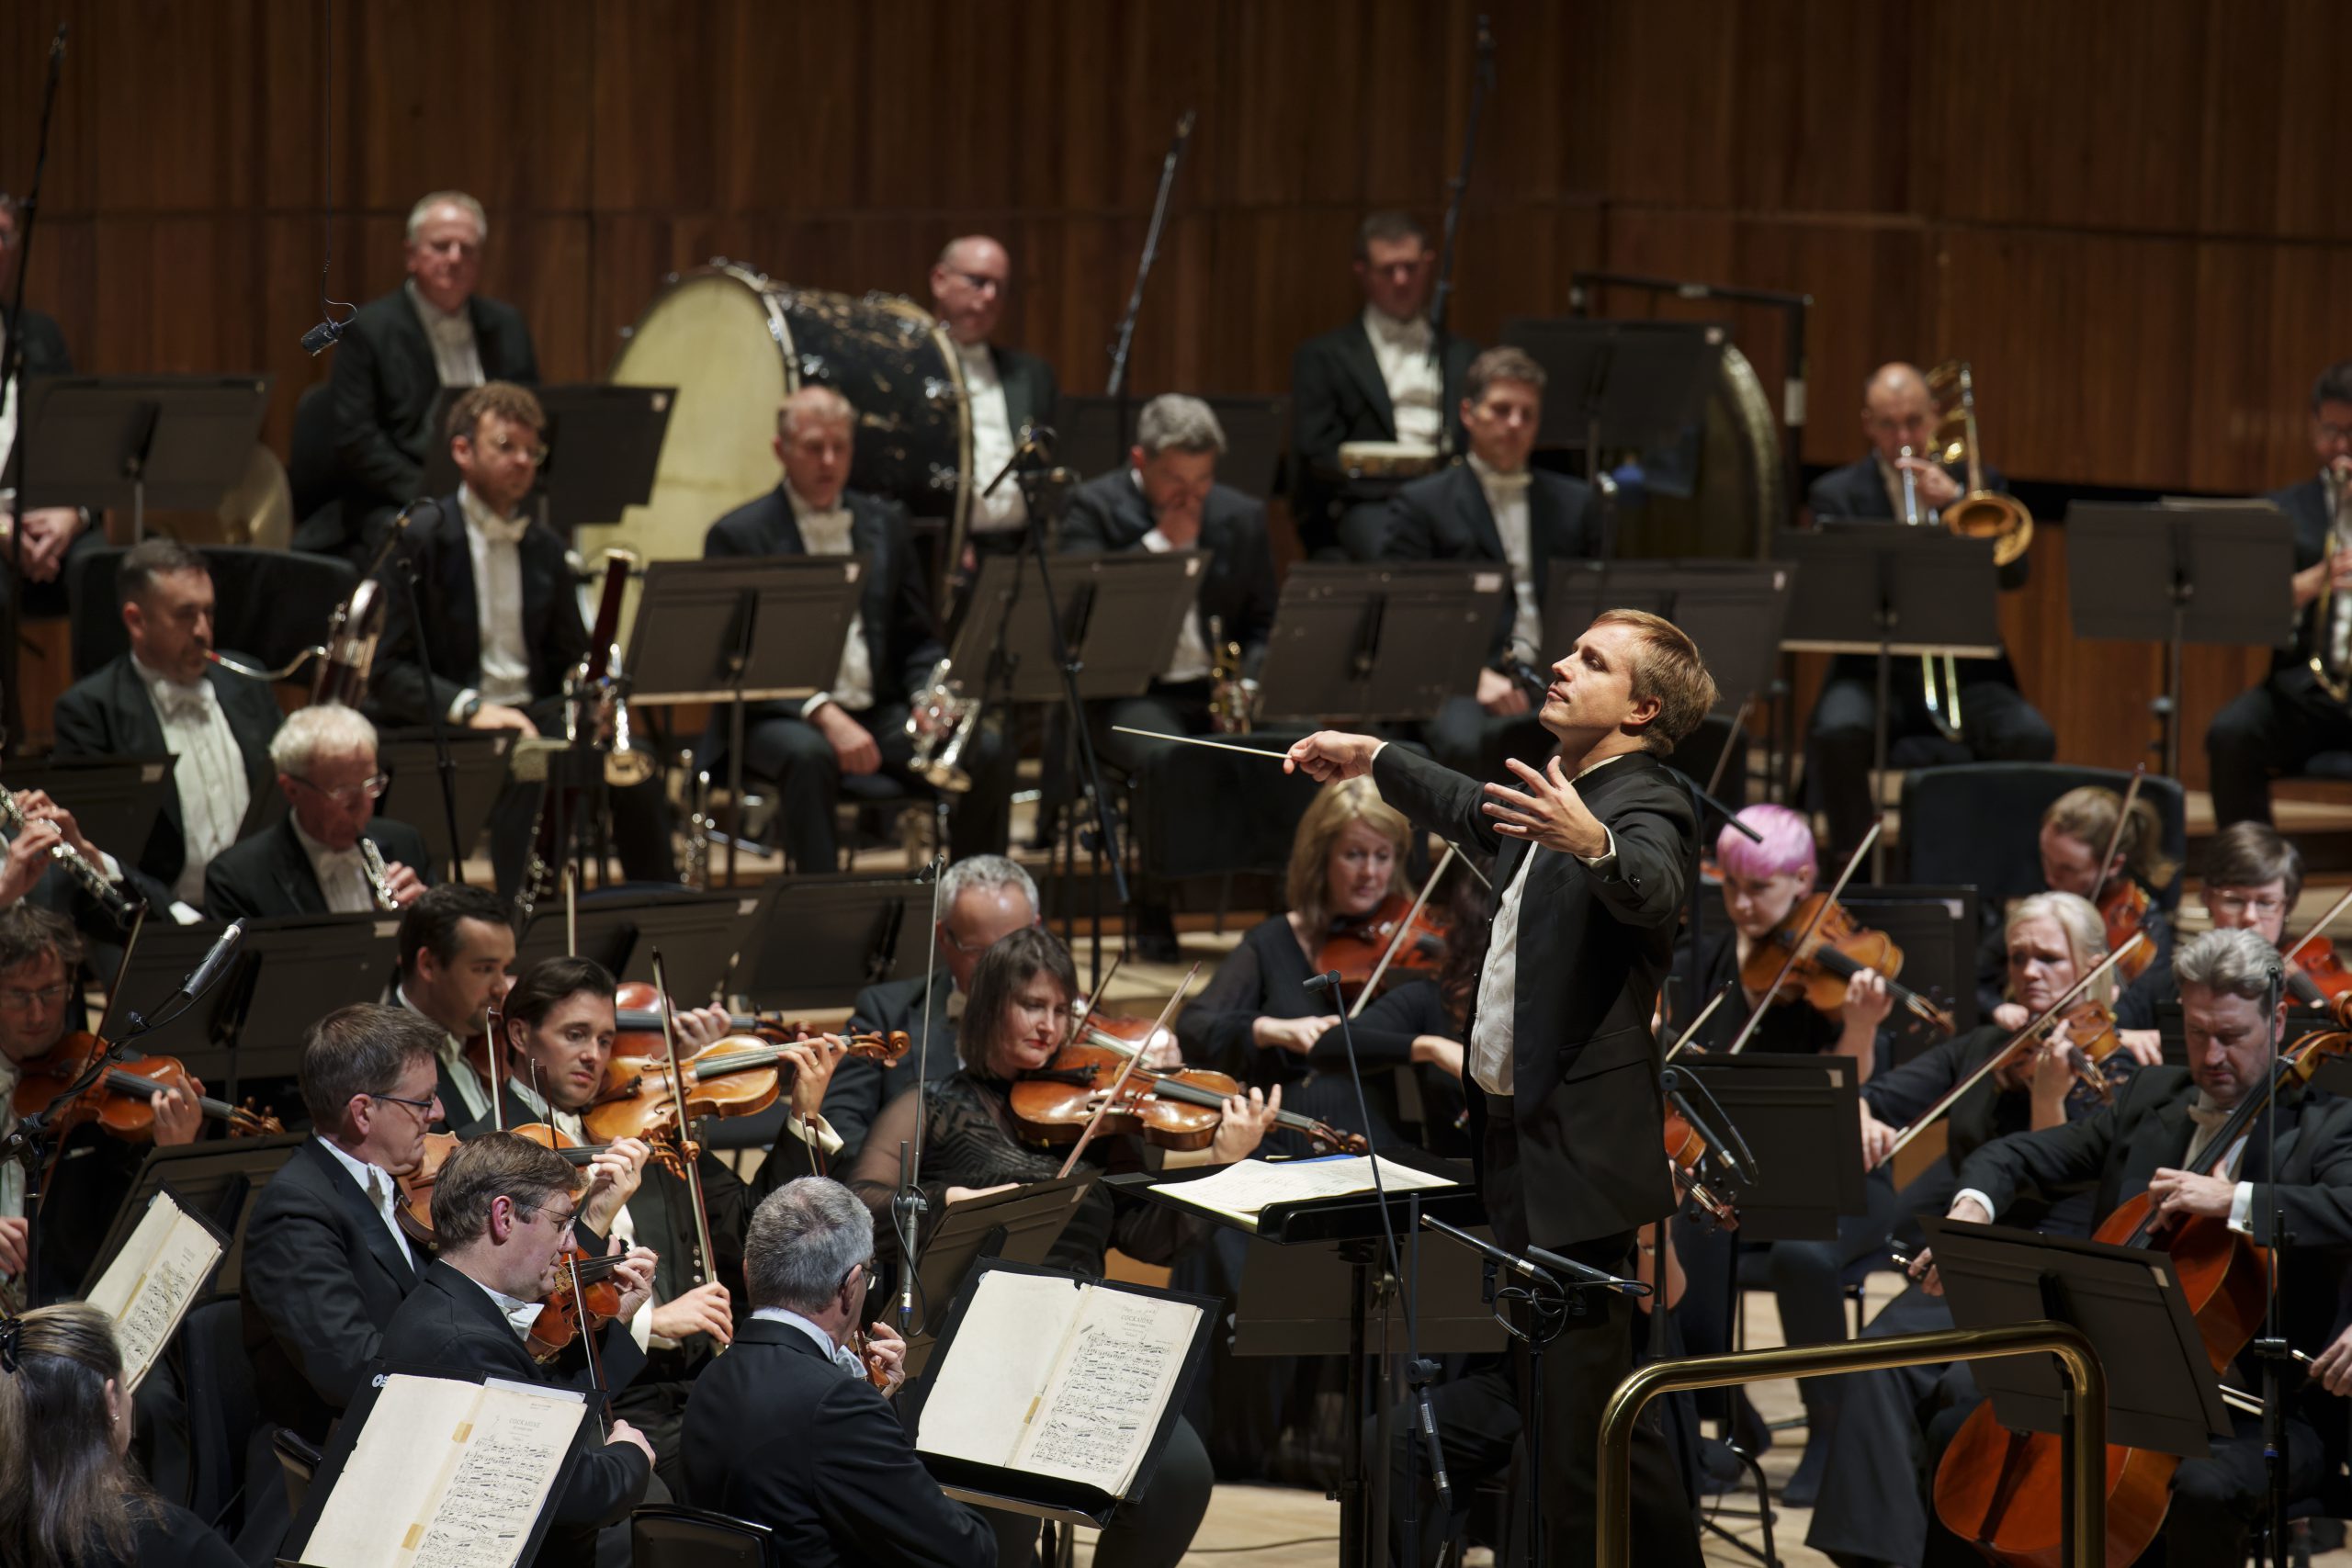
x=177 y=701
x=502 y=530
x=1505 y=487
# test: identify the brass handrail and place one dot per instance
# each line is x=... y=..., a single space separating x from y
x=2086 y=1385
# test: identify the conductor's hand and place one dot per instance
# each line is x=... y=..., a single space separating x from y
x=851 y=741
x=1246 y=1125
x=1331 y=754
x=498 y=715
x=1549 y=812
x=623 y=1433
x=702 y=1310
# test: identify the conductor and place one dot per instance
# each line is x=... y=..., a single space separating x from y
x=1592 y=854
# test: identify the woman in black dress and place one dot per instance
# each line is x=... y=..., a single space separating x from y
x=1017 y=1017
x=69 y=1496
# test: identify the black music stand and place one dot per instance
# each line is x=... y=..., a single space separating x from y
x=2204 y=572
x=311 y=965
x=1020 y=1227
x=1888 y=590
x=216 y=1178
x=116 y=801
x=151 y=971
x=1299 y=1301
x=1938 y=930
x=1121 y=613
x=739 y=631
x=480 y=761
x=1635 y=385
x=827 y=935
x=180 y=442
x=1365 y=644
x=698 y=935
x=1801 y=1120
x=603 y=445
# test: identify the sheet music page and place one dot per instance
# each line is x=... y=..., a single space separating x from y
x=1105 y=1399
x=1244 y=1187
x=1011 y=1335
x=447 y=1474
x=149 y=1286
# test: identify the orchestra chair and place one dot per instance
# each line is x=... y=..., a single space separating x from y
x=271 y=604
x=1976 y=824
x=309 y=465
x=297 y=1461
x=222 y=1407
x=667 y=1535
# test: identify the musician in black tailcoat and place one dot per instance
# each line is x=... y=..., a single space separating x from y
x=2278 y=726
x=394 y=357
x=1375 y=378
x=310 y=862
x=1593 y=859
x=502 y=625
x=1997 y=725
x=858 y=725
x=1493 y=507
x=840 y=1483
x=53 y=535
x=1005 y=388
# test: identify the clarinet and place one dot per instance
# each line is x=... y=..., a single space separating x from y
x=78 y=865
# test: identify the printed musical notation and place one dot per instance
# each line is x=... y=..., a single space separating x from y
x=152 y=1282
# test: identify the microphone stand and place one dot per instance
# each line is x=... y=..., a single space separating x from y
x=1702 y=802
x=2271 y=1348
x=445 y=760
x=907 y=1205
x=12 y=385
x=1482 y=78
x=1126 y=337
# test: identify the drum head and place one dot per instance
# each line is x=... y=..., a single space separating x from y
x=713 y=336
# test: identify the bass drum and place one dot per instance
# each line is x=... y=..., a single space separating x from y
x=735 y=343
x=1738 y=496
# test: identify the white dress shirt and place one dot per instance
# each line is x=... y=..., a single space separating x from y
x=456 y=359
x=210 y=775
x=343 y=875
x=993 y=442
x=841 y=1356
x=1492 y=1039
x=1193 y=660
x=1416 y=388
x=381 y=1189
x=521 y=1316
x=470 y=1090
x=494 y=544
x=1506 y=500
x=827 y=532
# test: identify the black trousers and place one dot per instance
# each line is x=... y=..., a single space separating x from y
x=794 y=757
x=2276 y=728
x=1997 y=725
x=1582 y=1367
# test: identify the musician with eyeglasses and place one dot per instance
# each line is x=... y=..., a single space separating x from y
x=1005 y=388
x=2304 y=705
x=1997 y=724
x=330 y=853
x=2252 y=878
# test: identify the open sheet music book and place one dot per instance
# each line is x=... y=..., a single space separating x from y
x=153 y=1279
x=1246 y=1188
x=447 y=1473
x=1059 y=1378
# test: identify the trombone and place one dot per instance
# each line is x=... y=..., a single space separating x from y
x=2329 y=667
x=1979 y=514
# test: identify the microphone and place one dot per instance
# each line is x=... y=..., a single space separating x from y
x=1038 y=439
x=1328 y=981
x=324 y=336
x=203 y=976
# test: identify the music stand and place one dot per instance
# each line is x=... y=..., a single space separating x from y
x=1801 y=1120
x=1937 y=929
x=1364 y=643
x=1735 y=611
x=1884 y=590
x=312 y=963
x=218 y=1179
x=480 y=761
x=739 y=631
x=1632 y=384
x=2204 y=572
x=698 y=935
x=603 y=443
x=1296 y=1301
x=151 y=972
x=827 y=935
x=116 y=801
x=1019 y=1226
x=1122 y=614
x=182 y=442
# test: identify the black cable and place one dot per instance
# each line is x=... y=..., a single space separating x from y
x=1262 y=1546
x=328 y=332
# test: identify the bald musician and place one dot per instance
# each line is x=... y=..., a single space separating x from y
x=1997 y=725
x=1007 y=389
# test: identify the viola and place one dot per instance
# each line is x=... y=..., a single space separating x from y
x=1686 y=1149
x=732 y=1075
x=120 y=1100
x=2000 y=1489
x=2094 y=1048
x=1838 y=948
x=564 y=1312
x=413 y=1213
x=636 y=1009
x=1175 y=1111
x=2123 y=908
x=1355 y=945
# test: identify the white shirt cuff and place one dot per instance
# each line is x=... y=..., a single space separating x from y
x=183 y=915
x=2241 y=1209
x=111 y=866
x=640 y=1327
x=457 y=714
x=1596 y=861
x=809 y=709
x=1982 y=1202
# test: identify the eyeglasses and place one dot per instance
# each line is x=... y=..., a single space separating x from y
x=977 y=283
x=422 y=1107
x=2332 y=434
x=564 y=1221
x=872 y=1270
x=969 y=949
x=15 y=1000
x=2231 y=903
x=349 y=795
x=500 y=446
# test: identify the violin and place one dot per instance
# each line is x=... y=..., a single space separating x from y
x=2000 y=1489
x=564 y=1312
x=1355 y=944
x=413 y=1213
x=636 y=1009
x=732 y=1075
x=2315 y=976
x=2094 y=1048
x=2123 y=908
x=1174 y=1110
x=120 y=1100
x=1686 y=1149
x=1838 y=948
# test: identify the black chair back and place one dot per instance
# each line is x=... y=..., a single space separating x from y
x=269 y=604
x=667 y=1535
x=222 y=1408
x=1978 y=824
x=297 y=1461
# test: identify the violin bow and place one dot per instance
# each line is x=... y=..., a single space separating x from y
x=1127 y=1070
x=492 y=1049
x=2318 y=926
x=2115 y=834
x=704 y=1273
x=571 y=910
x=1951 y=1096
x=1094 y=1003
x=1704 y=1014
x=579 y=1305
x=1796 y=948
x=1404 y=928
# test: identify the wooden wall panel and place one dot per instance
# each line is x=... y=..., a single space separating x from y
x=2126 y=212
